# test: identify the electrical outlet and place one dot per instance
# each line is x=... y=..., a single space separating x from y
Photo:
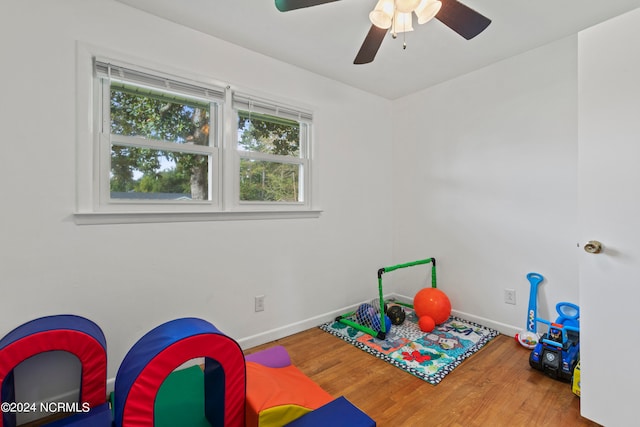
x=510 y=296
x=259 y=303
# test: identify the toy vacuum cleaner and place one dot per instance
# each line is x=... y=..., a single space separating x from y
x=529 y=338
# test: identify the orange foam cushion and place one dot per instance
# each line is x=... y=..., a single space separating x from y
x=276 y=396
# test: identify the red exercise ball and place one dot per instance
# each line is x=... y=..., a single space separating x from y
x=434 y=303
x=426 y=324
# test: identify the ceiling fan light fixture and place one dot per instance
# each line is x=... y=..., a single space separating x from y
x=398 y=14
x=402 y=23
x=407 y=6
x=382 y=15
x=427 y=10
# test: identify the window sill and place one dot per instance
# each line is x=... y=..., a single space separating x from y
x=97 y=218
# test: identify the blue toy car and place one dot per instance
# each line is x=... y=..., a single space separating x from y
x=558 y=351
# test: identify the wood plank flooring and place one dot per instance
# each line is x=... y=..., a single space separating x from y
x=495 y=387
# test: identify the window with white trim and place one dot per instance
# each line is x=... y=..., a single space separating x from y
x=273 y=152
x=162 y=145
x=157 y=140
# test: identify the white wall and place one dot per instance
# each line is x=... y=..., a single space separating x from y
x=131 y=278
x=493 y=189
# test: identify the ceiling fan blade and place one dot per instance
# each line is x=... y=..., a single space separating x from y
x=462 y=19
x=370 y=45
x=287 y=5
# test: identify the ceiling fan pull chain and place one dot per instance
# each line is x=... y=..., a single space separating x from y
x=394 y=22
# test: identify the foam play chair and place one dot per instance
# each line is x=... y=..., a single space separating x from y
x=278 y=393
x=98 y=416
x=163 y=349
x=337 y=413
x=74 y=334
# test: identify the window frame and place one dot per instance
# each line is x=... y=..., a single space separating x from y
x=107 y=139
x=94 y=204
x=251 y=104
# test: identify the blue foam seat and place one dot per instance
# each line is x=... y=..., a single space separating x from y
x=337 y=413
x=98 y=416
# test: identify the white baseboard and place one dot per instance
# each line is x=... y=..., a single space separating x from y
x=293 y=328
x=503 y=328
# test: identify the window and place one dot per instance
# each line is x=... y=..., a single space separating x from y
x=157 y=139
x=163 y=151
x=273 y=152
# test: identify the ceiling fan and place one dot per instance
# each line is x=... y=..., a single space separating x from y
x=397 y=16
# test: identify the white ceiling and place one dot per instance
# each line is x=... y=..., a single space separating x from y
x=325 y=39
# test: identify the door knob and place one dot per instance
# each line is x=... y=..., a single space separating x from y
x=593 y=247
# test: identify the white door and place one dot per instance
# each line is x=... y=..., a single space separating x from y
x=609 y=211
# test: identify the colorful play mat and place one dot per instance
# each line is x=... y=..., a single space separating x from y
x=429 y=356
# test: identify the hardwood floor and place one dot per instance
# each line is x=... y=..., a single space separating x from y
x=495 y=387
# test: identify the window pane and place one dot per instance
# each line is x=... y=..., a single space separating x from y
x=269 y=181
x=147 y=174
x=268 y=134
x=137 y=111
